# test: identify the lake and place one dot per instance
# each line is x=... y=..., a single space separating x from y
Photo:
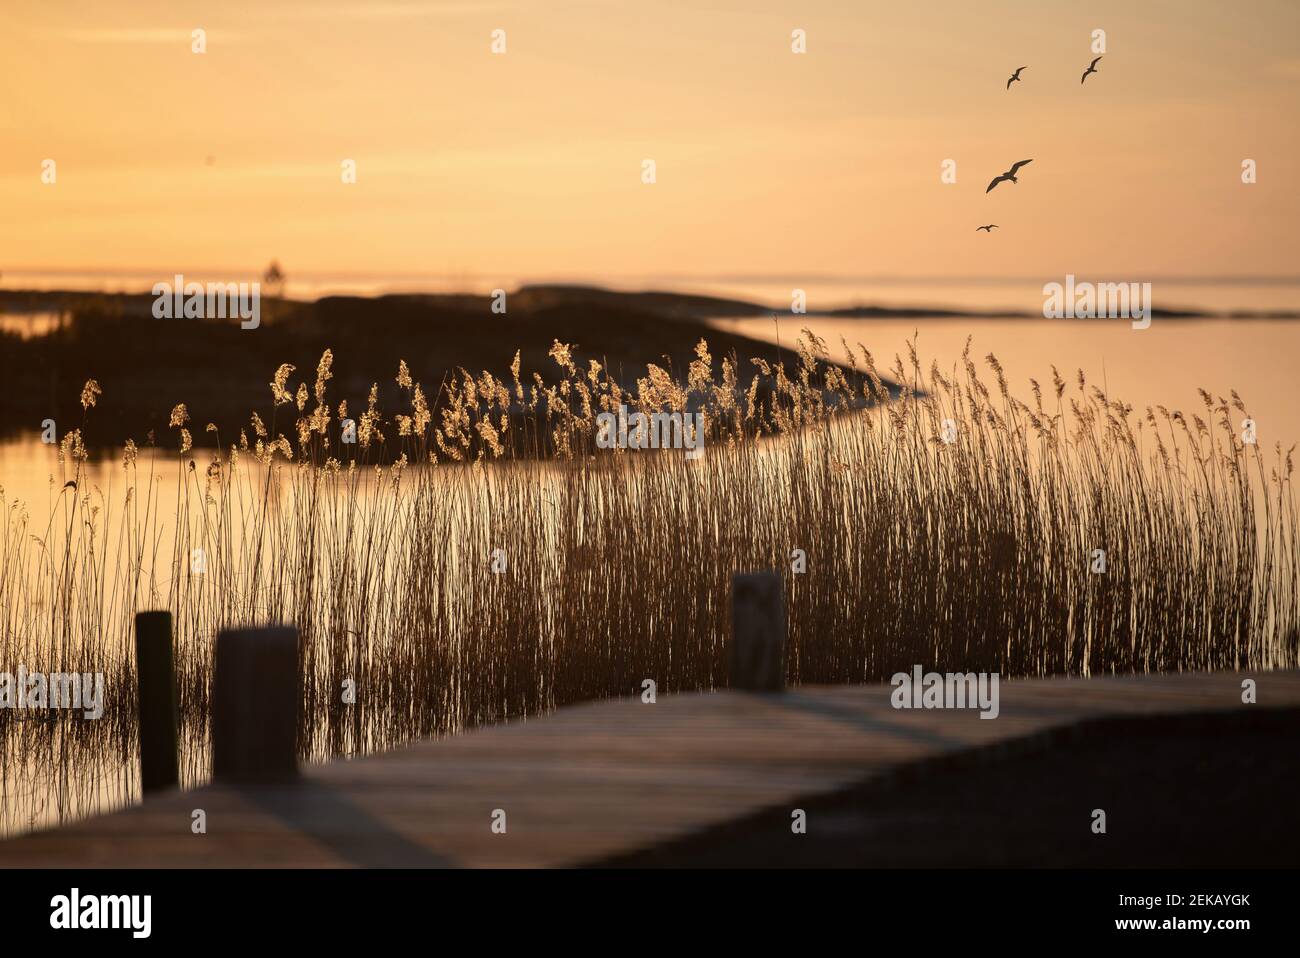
x=1161 y=365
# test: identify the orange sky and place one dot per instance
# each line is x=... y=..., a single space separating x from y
x=768 y=162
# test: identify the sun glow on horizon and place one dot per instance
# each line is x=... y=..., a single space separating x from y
x=529 y=162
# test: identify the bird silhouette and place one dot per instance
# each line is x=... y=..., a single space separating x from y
x=1008 y=175
x=1014 y=77
x=1092 y=68
x=988 y=229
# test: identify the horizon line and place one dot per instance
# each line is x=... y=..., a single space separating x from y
x=523 y=279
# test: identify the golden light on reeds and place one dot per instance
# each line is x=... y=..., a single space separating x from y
x=970 y=553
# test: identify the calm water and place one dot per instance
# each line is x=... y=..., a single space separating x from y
x=1163 y=364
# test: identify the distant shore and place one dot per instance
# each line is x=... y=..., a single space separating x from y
x=52 y=342
x=671 y=304
x=146 y=365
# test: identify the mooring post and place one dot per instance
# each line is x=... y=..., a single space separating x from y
x=155 y=684
x=757 y=632
x=255 y=699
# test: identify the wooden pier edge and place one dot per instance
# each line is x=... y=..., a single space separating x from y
x=593 y=781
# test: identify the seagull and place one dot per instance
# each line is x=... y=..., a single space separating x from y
x=988 y=229
x=1014 y=77
x=1008 y=175
x=1092 y=68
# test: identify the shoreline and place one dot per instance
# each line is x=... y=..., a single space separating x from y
x=670 y=303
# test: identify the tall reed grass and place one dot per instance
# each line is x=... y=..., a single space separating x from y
x=970 y=554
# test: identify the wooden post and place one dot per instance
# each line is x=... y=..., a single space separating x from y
x=757 y=632
x=256 y=695
x=155 y=671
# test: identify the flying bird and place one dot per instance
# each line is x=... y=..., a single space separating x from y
x=1014 y=77
x=988 y=229
x=1008 y=175
x=1092 y=68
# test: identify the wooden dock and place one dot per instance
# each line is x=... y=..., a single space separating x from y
x=603 y=779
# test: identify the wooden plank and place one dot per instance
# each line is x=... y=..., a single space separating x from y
x=604 y=778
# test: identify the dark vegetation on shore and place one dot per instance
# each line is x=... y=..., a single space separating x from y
x=148 y=364
x=220 y=370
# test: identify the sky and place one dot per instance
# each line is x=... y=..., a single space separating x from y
x=767 y=161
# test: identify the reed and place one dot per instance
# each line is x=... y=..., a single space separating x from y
x=971 y=554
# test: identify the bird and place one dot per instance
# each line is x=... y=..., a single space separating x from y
x=1092 y=68
x=988 y=229
x=1008 y=175
x=1014 y=77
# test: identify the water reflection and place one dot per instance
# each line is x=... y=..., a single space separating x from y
x=1160 y=366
